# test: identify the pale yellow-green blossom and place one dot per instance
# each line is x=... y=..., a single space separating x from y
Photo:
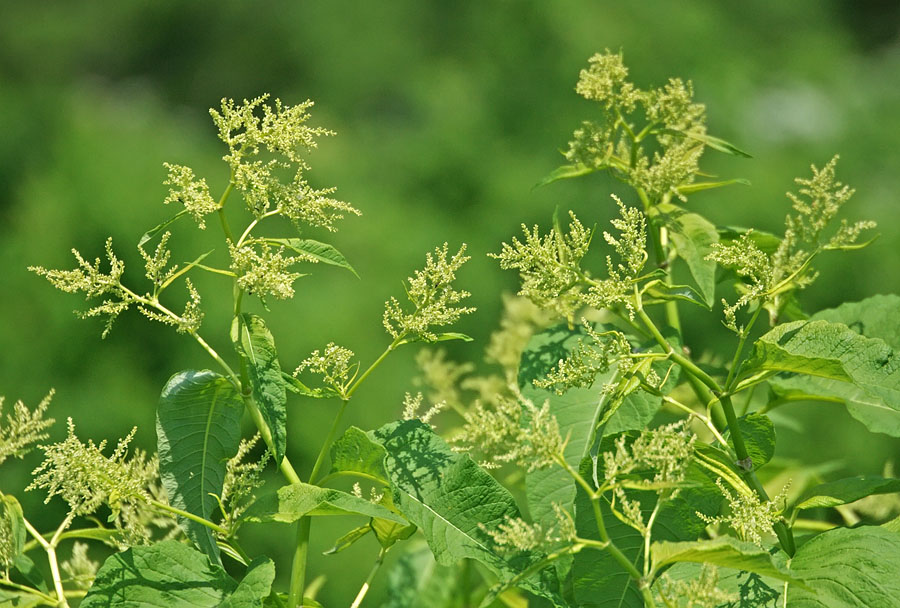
x=23 y=428
x=264 y=270
x=435 y=301
x=748 y=515
x=699 y=592
x=412 y=406
x=80 y=570
x=242 y=479
x=193 y=193
x=516 y=534
x=593 y=354
x=333 y=363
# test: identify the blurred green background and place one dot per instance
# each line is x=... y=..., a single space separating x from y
x=447 y=114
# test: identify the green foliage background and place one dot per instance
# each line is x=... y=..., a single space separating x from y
x=447 y=114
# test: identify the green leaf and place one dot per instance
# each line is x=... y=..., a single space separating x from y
x=849 y=568
x=759 y=437
x=658 y=290
x=693 y=237
x=169 y=573
x=862 y=372
x=708 y=140
x=198 y=428
x=444 y=337
x=160 y=227
x=701 y=186
x=874 y=317
x=255 y=586
x=417 y=581
x=577 y=412
x=11 y=512
x=389 y=532
x=843 y=491
x=753 y=590
x=764 y=241
x=296 y=386
x=356 y=452
x=323 y=252
x=453 y=501
x=724 y=551
x=291 y=502
x=566 y=172
x=348 y=539
x=255 y=344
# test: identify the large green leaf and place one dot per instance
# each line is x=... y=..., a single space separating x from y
x=863 y=372
x=169 y=573
x=323 y=252
x=577 y=412
x=874 y=317
x=724 y=551
x=844 y=491
x=356 y=452
x=453 y=501
x=848 y=568
x=291 y=502
x=198 y=428
x=255 y=344
x=693 y=237
x=751 y=590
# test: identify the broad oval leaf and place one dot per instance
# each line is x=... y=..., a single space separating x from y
x=860 y=371
x=255 y=344
x=453 y=501
x=848 y=567
x=198 y=428
x=169 y=573
x=759 y=437
x=844 y=491
x=291 y=502
x=725 y=551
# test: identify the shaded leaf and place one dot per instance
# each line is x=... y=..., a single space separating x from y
x=254 y=587
x=13 y=520
x=657 y=290
x=453 y=501
x=417 y=581
x=848 y=567
x=255 y=344
x=566 y=172
x=348 y=539
x=725 y=551
x=296 y=386
x=356 y=452
x=291 y=502
x=759 y=437
x=198 y=428
x=844 y=491
x=693 y=237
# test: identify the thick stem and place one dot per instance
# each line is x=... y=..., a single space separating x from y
x=298 y=567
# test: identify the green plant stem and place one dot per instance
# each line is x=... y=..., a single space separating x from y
x=298 y=565
x=48 y=599
x=101 y=534
x=735 y=361
x=365 y=586
x=188 y=515
x=326 y=445
x=393 y=345
x=50 y=548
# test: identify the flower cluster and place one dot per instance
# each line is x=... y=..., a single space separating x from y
x=515 y=534
x=23 y=428
x=434 y=299
x=590 y=357
x=749 y=516
x=265 y=272
x=333 y=364
x=550 y=265
x=670 y=117
x=265 y=146
x=513 y=430
x=699 y=592
x=412 y=407
x=772 y=278
x=186 y=189
x=242 y=479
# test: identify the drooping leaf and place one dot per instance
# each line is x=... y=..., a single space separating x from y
x=291 y=502
x=160 y=227
x=255 y=344
x=452 y=500
x=12 y=518
x=169 y=573
x=323 y=252
x=566 y=172
x=348 y=539
x=715 y=143
x=701 y=186
x=663 y=292
x=693 y=237
x=198 y=428
x=863 y=372
x=254 y=587
x=844 y=491
x=356 y=452
x=848 y=567
x=759 y=437
x=725 y=551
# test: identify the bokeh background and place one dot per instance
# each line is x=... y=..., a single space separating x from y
x=447 y=114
